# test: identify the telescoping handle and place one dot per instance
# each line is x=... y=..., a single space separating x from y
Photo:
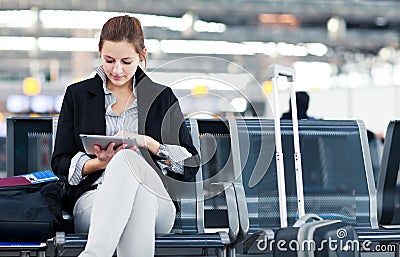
x=297 y=153
x=276 y=71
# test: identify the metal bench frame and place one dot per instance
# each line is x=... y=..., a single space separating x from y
x=194 y=239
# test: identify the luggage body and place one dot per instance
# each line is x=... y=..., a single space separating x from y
x=310 y=235
x=332 y=238
x=30 y=213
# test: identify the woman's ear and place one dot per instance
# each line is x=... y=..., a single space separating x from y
x=144 y=54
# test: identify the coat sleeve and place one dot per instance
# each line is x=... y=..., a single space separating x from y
x=191 y=164
x=65 y=147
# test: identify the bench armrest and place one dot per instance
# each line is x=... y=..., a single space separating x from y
x=232 y=208
x=243 y=213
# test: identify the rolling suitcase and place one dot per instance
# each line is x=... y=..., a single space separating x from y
x=310 y=235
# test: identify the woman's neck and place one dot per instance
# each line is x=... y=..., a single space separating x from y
x=124 y=97
x=127 y=88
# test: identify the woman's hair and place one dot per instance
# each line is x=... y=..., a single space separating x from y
x=124 y=28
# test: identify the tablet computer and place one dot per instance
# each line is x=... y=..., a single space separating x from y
x=90 y=140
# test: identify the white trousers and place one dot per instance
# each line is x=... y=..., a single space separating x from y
x=126 y=211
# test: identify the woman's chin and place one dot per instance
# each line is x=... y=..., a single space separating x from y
x=119 y=82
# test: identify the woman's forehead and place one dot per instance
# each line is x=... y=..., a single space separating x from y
x=119 y=49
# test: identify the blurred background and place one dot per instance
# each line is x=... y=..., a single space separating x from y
x=213 y=53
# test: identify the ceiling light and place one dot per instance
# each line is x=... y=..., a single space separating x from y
x=204 y=47
x=336 y=27
x=67 y=44
x=333 y=24
x=387 y=53
x=152 y=45
x=18 y=19
x=213 y=82
x=17 y=103
x=202 y=26
x=240 y=104
x=317 y=49
x=197 y=47
x=278 y=19
x=94 y=19
x=285 y=49
x=262 y=48
x=381 y=21
x=17 y=43
x=61 y=19
x=188 y=20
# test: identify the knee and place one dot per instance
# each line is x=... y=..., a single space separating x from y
x=125 y=155
x=123 y=158
x=124 y=164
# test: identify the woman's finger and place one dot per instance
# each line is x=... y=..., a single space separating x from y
x=119 y=148
x=110 y=148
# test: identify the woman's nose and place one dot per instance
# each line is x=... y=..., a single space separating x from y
x=117 y=67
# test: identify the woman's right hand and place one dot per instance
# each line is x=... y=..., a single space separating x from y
x=103 y=157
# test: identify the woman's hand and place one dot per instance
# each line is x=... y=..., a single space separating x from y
x=105 y=155
x=142 y=140
x=103 y=158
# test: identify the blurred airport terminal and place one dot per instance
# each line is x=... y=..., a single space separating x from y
x=214 y=54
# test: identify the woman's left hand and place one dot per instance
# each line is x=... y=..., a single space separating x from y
x=142 y=140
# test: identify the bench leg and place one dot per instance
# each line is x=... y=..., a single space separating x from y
x=28 y=254
x=221 y=253
x=231 y=252
x=24 y=254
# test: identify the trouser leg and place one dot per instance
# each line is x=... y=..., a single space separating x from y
x=150 y=215
x=116 y=201
x=138 y=236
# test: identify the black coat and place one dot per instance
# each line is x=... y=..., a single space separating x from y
x=83 y=112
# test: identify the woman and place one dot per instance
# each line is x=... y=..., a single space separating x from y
x=119 y=196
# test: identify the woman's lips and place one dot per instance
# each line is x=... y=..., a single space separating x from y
x=117 y=77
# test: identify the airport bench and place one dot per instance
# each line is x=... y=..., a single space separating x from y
x=338 y=180
x=388 y=189
x=23 y=249
x=338 y=184
x=337 y=176
x=192 y=234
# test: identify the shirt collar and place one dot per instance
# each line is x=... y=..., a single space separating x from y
x=100 y=71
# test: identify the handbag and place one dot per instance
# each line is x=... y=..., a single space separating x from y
x=31 y=213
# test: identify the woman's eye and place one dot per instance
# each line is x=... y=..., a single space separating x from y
x=109 y=61
x=126 y=62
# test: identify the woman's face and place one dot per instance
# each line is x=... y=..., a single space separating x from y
x=120 y=61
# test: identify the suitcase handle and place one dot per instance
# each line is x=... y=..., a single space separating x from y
x=276 y=70
x=304 y=219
